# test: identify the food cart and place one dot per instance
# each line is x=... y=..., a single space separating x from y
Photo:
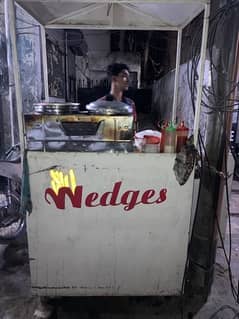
x=105 y=221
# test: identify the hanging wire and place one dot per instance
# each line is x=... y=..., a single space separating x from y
x=221 y=309
x=219 y=105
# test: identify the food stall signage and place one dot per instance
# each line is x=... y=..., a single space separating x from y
x=63 y=185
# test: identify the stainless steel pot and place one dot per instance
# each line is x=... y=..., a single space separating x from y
x=56 y=108
x=103 y=107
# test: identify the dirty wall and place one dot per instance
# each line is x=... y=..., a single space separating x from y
x=56 y=65
x=162 y=100
x=4 y=84
x=28 y=45
x=29 y=55
x=92 y=67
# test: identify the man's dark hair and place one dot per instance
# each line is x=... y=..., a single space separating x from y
x=115 y=68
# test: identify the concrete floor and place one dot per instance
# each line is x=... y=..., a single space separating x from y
x=16 y=301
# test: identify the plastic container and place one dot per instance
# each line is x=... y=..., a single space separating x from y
x=181 y=136
x=148 y=141
x=152 y=144
x=170 y=139
x=151 y=148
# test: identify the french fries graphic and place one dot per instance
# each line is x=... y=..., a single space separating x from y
x=59 y=179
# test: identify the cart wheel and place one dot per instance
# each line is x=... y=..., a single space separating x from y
x=12 y=223
x=12 y=231
x=44 y=309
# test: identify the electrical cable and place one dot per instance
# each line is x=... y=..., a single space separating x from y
x=190 y=81
x=228 y=258
x=189 y=246
x=219 y=105
x=224 y=307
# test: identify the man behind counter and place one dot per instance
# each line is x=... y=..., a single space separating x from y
x=119 y=77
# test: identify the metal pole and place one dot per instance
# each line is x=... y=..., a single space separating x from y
x=44 y=63
x=176 y=79
x=202 y=250
x=10 y=72
x=11 y=16
x=201 y=72
x=66 y=68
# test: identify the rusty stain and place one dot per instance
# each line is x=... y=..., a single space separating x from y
x=71 y=287
x=99 y=287
x=47 y=274
x=45 y=169
x=52 y=287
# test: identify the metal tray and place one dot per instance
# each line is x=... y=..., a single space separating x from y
x=103 y=107
x=56 y=108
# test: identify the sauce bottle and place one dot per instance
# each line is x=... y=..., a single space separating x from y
x=162 y=130
x=170 y=139
x=181 y=136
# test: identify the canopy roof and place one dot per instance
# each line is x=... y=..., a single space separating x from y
x=114 y=14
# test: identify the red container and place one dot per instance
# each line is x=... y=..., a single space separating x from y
x=152 y=139
x=181 y=136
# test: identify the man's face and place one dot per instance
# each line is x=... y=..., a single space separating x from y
x=122 y=80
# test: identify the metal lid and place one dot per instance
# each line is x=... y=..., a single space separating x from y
x=56 y=108
x=103 y=107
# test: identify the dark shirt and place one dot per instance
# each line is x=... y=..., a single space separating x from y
x=126 y=100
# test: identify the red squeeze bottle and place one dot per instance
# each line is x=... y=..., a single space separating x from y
x=163 y=129
x=182 y=135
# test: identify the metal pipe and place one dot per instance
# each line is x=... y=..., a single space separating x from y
x=11 y=16
x=44 y=63
x=127 y=1
x=201 y=72
x=176 y=79
x=109 y=27
x=10 y=74
x=66 y=68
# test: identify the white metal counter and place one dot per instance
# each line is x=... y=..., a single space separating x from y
x=129 y=238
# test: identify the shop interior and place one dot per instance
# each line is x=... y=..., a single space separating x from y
x=77 y=62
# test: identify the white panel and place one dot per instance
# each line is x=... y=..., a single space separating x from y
x=97 y=16
x=153 y=13
x=47 y=11
x=173 y=14
x=128 y=15
x=109 y=250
